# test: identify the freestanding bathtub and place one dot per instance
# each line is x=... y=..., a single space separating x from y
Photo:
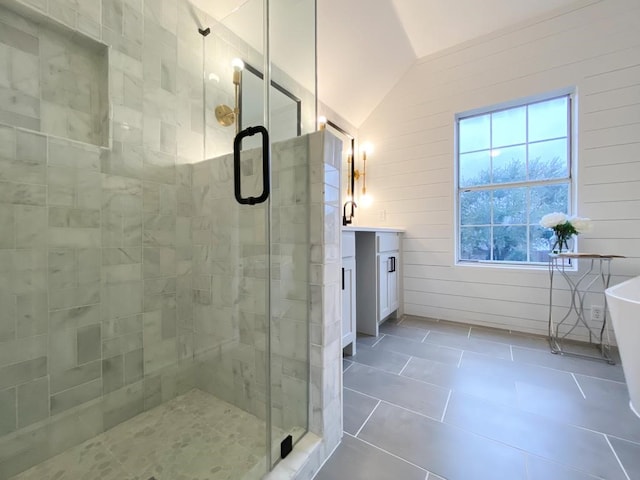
x=624 y=305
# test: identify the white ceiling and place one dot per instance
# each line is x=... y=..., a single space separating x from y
x=365 y=46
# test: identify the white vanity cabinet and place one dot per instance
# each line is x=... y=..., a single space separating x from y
x=349 y=292
x=388 y=245
x=377 y=255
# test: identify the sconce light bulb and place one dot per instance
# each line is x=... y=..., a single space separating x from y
x=366 y=199
x=367 y=148
x=237 y=64
x=322 y=122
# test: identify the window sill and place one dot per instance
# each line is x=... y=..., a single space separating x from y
x=537 y=267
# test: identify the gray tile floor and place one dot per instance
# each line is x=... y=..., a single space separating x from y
x=435 y=400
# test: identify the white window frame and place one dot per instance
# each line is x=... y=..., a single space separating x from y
x=572 y=197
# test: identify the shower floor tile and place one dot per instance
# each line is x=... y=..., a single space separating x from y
x=193 y=437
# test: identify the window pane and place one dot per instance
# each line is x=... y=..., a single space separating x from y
x=510 y=206
x=548 y=160
x=508 y=183
x=548 y=119
x=540 y=243
x=475 y=208
x=509 y=164
x=474 y=133
x=475 y=169
x=547 y=199
x=509 y=127
x=510 y=244
x=475 y=243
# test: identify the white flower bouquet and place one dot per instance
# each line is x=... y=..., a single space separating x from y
x=564 y=227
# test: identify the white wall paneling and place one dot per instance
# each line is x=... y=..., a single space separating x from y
x=593 y=47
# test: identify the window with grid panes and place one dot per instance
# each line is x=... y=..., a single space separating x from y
x=514 y=166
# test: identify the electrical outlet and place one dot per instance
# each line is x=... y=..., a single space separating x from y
x=597 y=313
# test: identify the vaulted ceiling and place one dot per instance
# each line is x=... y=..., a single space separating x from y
x=365 y=46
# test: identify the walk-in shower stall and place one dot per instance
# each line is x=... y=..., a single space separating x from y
x=153 y=324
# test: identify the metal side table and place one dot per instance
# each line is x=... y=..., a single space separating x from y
x=594 y=280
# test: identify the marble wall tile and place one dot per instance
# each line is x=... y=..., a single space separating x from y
x=64 y=13
x=75 y=297
x=33 y=401
x=133 y=366
x=7 y=220
x=123 y=344
x=30 y=226
x=8 y=411
x=123 y=159
x=121 y=300
x=75 y=396
x=22 y=194
x=22 y=349
x=112 y=373
x=89 y=344
x=31 y=312
x=65 y=379
x=19 y=39
x=22 y=372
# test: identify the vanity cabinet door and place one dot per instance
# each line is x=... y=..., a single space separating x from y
x=349 y=303
x=349 y=292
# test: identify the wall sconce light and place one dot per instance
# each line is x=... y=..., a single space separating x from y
x=224 y=114
x=322 y=122
x=365 y=198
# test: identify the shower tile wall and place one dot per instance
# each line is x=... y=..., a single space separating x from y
x=96 y=294
x=230 y=282
x=108 y=264
x=51 y=83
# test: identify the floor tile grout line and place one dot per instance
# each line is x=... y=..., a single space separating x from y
x=425 y=336
x=348 y=367
x=460 y=359
x=572 y=425
x=403 y=376
x=393 y=404
x=469 y=334
x=617 y=458
x=552 y=368
x=405 y=366
x=444 y=412
x=389 y=453
x=571 y=467
x=367 y=419
x=492 y=439
x=579 y=387
x=511 y=352
x=635 y=442
x=378 y=341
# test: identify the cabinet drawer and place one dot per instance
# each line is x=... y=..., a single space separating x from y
x=388 y=242
x=348 y=244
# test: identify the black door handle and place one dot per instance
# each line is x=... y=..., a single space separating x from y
x=237 y=143
x=343 y=278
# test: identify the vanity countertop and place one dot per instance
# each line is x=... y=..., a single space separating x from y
x=358 y=228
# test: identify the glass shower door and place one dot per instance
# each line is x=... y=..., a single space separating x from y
x=261 y=243
x=231 y=237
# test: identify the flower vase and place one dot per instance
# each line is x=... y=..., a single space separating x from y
x=562 y=244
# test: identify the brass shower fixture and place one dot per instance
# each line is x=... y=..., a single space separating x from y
x=225 y=115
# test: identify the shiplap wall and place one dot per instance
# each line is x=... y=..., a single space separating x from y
x=594 y=47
